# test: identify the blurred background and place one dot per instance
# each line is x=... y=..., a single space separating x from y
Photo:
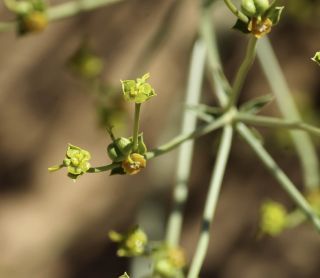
x=51 y=227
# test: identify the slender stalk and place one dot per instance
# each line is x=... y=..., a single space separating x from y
x=180 y=192
x=236 y=12
x=103 y=168
x=208 y=36
x=211 y=201
x=200 y=131
x=276 y=122
x=302 y=141
x=137 y=109
x=74 y=7
x=278 y=174
x=243 y=70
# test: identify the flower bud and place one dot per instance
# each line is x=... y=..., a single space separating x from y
x=253 y=8
x=119 y=149
x=248 y=7
x=316 y=58
x=35 y=21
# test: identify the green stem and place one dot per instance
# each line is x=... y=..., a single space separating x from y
x=200 y=131
x=103 y=168
x=208 y=36
x=180 y=192
x=236 y=12
x=243 y=70
x=302 y=141
x=278 y=174
x=211 y=201
x=276 y=122
x=137 y=109
x=74 y=7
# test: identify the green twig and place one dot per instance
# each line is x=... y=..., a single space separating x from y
x=211 y=202
x=276 y=122
x=136 y=126
x=302 y=141
x=243 y=70
x=74 y=7
x=200 y=131
x=180 y=192
x=278 y=174
x=236 y=12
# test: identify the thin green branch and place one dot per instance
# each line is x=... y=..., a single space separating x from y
x=136 y=126
x=74 y=7
x=200 y=131
x=302 y=141
x=211 y=201
x=243 y=71
x=278 y=174
x=276 y=122
x=180 y=192
x=208 y=36
x=236 y=11
x=103 y=168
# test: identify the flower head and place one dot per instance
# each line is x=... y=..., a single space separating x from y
x=138 y=90
x=76 y=161
x=131 y=244
x=273 y=218
x=134 y=163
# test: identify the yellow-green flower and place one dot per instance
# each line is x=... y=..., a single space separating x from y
x=169 y=262
x=138 y=90
x=131 y=244
x=134 y=163
x=273 y=218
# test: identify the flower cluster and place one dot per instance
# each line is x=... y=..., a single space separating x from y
x=273 y=218
x=138 y=90
x=131 y=244
x=261 y=17
x=169 y=262
x=76 y=161
x=31 y=16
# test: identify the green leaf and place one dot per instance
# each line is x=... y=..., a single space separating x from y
x=241 y=26
x=255 y=105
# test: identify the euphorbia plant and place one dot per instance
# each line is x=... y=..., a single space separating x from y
x=129 y=154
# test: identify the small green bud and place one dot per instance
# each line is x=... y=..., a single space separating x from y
x=273 y=218
x=119 y=149
x=248 y=7
x=138 y=90
x=261 y=6
x=131 y=244
x=316 y=58
x=253 y=8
